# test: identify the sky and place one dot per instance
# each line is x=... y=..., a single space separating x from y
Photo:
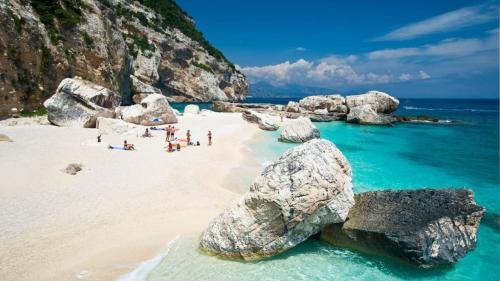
x=420 y=49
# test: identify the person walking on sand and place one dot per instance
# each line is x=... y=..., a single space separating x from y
x=188 y=136
x=209 y=137
x=168 y=133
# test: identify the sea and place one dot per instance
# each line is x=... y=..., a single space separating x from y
x=461 y=151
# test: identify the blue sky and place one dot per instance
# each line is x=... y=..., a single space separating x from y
x=428 y=49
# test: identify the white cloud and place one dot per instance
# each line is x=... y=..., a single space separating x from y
x=405 y=77
x=423 y=75
x=300 y=49
x=446 y=22
x=446 y=48
x=330 y=71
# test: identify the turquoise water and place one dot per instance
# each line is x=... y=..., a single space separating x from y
x=464 y=154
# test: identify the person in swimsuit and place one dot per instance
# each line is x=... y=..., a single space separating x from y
x=146 y=134
x=172 y=132
x=128 y=146
x=170 y=147
x=188 y=136
x=209 y=137
x=168 y=133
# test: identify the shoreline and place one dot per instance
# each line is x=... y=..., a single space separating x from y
x=124 y=207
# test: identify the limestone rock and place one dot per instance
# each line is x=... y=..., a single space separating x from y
x=425 y=227
x=153 y=110
x=141 y=90
x=293 y=107
x=331 y=103
x=5 y=138
x=192 y=109
x=73 y=168
x=265 y=121
x=106 y=42
x=365 y=114
x=78 y=103
x=109 y=126
x=380 y=102
x=308 y=187
x=298 y=130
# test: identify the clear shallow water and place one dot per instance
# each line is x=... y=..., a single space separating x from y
x=465 y=154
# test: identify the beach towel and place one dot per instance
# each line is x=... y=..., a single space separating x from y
x=116 y=147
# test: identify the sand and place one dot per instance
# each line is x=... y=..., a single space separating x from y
x=123 y=207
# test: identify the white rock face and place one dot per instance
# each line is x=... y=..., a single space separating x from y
x=298 y=130
x=293 y=198
x=109 y=126
x=331 y=103
x=146 y=66
x=380 y=102
x=78 y=103
x=293 y=107
x=141 y=90
x=153 y=110
x=192 y=109
x=265 y=121
x=364 y=114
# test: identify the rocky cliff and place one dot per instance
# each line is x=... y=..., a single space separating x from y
x=113 y=43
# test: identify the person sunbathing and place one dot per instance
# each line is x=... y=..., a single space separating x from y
x=128 y=146
x=147 y=134
x=170 y=147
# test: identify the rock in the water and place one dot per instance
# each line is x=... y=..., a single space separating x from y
x=365 y=114
x=78 y=103
x=192 y=109
x=5 y=138
x=308 y=187
x=331 y=103
x=109 y=126
x=265 y=121
x=153 y=110
x=293 y=107
x=141 y=90
x=73 y=168
x=298 y=130
x=426 y=227
x=380 y=102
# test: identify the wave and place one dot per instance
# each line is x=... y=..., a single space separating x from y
x=450 y=109
x=143 y=270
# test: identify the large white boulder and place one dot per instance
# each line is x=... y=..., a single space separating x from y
x=292 y=107
x=110 y=126
x=308 y=187
x=192 y=109
x=153 y=110
x=78 y=103
x=380 y=102
x=330 y=103
x=365 y=114
x=298 y=130
x=264 y=121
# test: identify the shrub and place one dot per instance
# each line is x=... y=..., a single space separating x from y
x=204 y=67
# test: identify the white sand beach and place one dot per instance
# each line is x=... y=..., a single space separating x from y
x=123 y=207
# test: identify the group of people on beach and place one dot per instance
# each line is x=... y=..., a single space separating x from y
x=170 y=137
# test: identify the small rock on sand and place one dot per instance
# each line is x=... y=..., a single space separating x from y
x=5 y=138
x=73 y=168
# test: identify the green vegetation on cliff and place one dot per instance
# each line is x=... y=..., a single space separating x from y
x=67 y=13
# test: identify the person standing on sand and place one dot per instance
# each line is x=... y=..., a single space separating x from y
x=209 y=137
x=188 y=136
x=172 y=132
x=168 y=133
